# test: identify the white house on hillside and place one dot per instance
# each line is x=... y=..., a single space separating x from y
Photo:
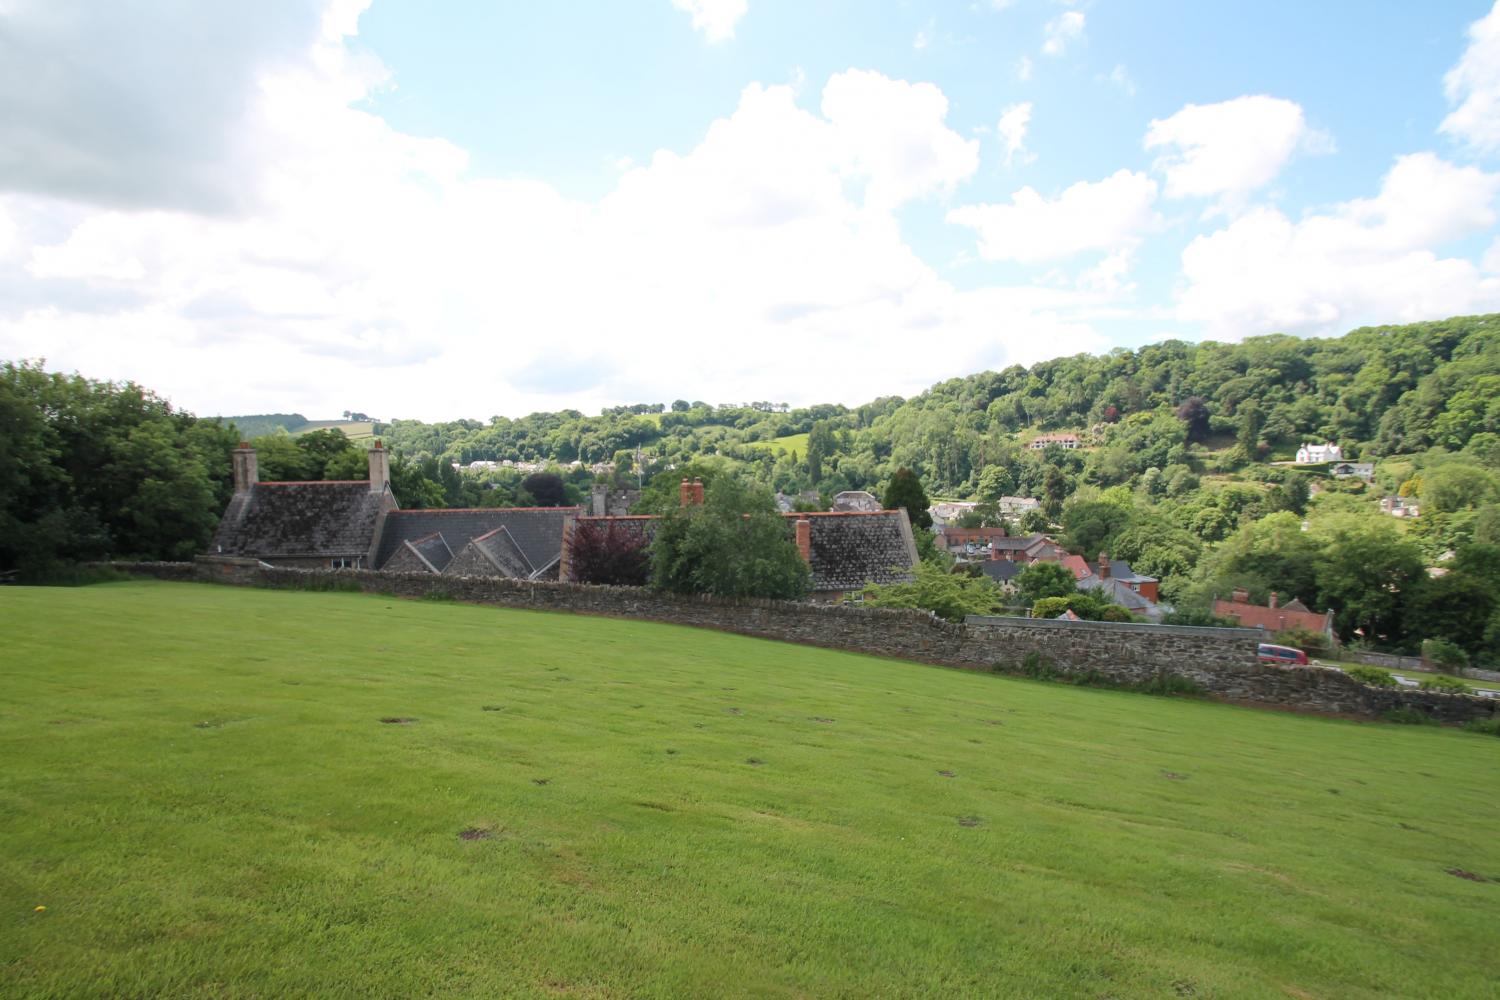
x=1314 y=454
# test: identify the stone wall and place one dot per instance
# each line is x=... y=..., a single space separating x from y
x=1219 y=661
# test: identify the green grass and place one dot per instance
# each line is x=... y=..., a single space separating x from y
x=354 y=430
x=196 y=783
x=785 y=445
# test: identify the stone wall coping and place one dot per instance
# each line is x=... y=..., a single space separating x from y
x=1187 y=631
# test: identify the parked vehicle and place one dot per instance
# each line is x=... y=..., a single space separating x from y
x=1271 y=653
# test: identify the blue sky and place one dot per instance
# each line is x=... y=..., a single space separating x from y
x=463 y=209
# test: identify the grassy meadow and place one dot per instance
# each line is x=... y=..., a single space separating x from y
x=787 y=445
x=218 y=792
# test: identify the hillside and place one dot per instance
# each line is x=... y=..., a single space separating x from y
x=263 y=424
x=202 y=793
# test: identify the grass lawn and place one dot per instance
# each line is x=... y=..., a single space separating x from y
x=197 y=784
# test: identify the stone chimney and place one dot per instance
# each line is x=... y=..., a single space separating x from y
x=804 y=539
x=1104 y=565
x=246 y=471
x=1272 y=602
x=380 y=468
x=1240 y=595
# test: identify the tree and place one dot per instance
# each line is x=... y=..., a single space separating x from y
x=905 y=491
x=820 y=445
x=734 y=544
x=546 y=489
x=1194 y=414
x=1092 y=525
x=947 y=595
x=610 y=554
x=1041 y=580
x=1367 y=572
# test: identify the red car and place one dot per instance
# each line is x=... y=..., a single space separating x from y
x=1269 y=653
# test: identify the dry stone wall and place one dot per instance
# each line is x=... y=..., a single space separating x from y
x=1219 y=661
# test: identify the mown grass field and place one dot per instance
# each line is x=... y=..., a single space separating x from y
x=196 y=783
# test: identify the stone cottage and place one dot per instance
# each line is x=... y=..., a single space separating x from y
x=359 y=525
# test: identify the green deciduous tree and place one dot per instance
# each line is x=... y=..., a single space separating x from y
x=732 y=545
x=905 y=491
x=1041 y=580
x=947 y=595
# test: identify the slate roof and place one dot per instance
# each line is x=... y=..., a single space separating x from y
x=536 y=531
x=434 y=550
x=300 y=520
x=1120 y=570
x=1121 y=594
x=1001 y=570
x=501 y=549
x=851 y=549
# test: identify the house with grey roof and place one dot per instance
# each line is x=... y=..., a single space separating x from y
x=845 y=550
x=360 y=525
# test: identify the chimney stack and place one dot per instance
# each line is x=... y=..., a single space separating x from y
x=1104 y=566
x=1240 y=595
x=685 y=494
x=698 y=492
x=246 y=471
x=804 y=539
x=380 y=468
x=1273 y=600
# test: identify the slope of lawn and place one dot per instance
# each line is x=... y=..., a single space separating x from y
x=197 y=784
x=785 y=445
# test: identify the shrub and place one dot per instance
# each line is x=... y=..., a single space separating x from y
x=1486 y=727
x=1409 y=716
x=1447 y=685
x=1373 y=676
x=1448 y=655
x=1310 y=642
x=1170 y=684
x=610 y=554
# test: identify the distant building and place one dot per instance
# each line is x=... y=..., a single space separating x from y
x=946 y=512
x=1016 y=506
x=1400 y=506
x=856 y=501
x=1065 y=441
x=1273 y=617
x=1316 y=454
x=1353 y=470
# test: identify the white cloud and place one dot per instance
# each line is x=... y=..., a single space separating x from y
x=1230 y=148
x=1474 y=85
x=1367 y=260
x=1012 y=128
x=1024 y=69
x=1119 y=78
x=715 y=18
x=1111 y=275
x=1104 y=215
x=374 y=270
x=893 y=134
x=1062 y=31
x=104 y=103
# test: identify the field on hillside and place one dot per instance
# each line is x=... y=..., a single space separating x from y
x=354 y=430
x=785 y=445
x=218 y=792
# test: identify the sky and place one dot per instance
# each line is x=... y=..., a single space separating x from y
x=469 y=208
